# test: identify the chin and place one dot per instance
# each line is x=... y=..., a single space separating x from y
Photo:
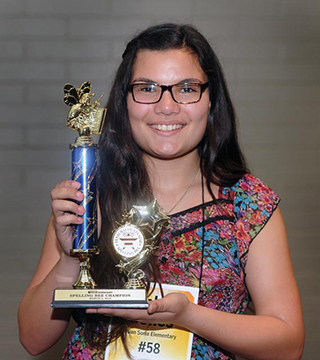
x=170 y=155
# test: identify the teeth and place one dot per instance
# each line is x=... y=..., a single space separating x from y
x=167 y=127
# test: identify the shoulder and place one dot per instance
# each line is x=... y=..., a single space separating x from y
x=254 y=202
x=250 y=194
x=251 y=184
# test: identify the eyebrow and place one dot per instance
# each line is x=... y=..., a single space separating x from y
x=149 y=81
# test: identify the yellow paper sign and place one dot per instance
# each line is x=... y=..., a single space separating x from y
x=157 y=341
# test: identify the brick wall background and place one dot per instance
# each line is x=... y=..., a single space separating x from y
x=270 y=50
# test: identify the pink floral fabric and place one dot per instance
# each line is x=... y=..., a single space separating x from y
x=223 y=233
x=209 y=241
x=78 y=348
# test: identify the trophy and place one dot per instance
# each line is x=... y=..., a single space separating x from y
x=86 y=118
x=135 y=237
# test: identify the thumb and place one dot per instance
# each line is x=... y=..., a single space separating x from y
x=154 y=307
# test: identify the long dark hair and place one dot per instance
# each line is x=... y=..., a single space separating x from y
x=123 y=179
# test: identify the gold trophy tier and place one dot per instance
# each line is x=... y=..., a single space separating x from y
x=85 y=280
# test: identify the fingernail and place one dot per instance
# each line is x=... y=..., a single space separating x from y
x=80 y=210
x=76 y=185
x=79 y=195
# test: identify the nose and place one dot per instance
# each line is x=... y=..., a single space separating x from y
x=167 y=106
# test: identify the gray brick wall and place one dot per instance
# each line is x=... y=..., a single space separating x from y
x=270 y=50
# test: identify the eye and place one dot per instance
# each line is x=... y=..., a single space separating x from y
x=189 y=88
x=146 y=88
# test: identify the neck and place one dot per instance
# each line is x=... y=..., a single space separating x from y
x=171 y=178
x=172 y=174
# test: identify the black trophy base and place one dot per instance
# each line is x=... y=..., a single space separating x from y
x=100 y=298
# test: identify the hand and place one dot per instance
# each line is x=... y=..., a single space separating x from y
x=171 y=309
x=65 y=211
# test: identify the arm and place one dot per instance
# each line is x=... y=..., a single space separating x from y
x=275 y=332
x=40 y=326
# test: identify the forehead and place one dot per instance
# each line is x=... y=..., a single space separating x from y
x=167 y=67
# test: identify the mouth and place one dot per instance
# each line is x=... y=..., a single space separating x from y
x=167 y=127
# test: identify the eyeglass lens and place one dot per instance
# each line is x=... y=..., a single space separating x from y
x=151 y=93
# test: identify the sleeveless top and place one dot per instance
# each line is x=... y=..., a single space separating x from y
x=209 y=241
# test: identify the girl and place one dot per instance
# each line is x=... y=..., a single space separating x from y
x=170 y=134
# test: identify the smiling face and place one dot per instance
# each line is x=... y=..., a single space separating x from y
x=168 y=130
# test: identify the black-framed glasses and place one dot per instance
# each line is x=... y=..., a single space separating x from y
x=151 y=93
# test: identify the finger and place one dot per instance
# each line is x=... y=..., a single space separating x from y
x=69 y=183
x=68 y=219
x=129 y=314
x=60 y=207
x=110 y=312
x=66 y=193
x=101 y=311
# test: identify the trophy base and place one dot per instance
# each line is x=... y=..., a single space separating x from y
x=100 y=298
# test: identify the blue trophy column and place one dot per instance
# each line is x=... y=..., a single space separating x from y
x=85 y=235
x=84 y=170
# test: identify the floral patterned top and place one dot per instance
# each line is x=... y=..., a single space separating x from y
x=226 y=229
